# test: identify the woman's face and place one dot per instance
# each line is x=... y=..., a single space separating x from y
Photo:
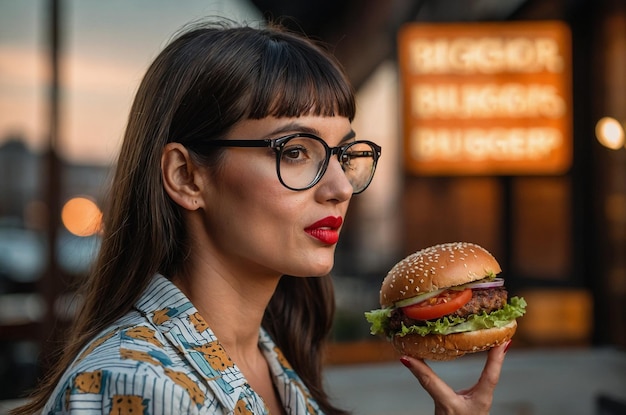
x=254 y=224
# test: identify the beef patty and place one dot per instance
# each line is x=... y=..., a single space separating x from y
x=487 y=299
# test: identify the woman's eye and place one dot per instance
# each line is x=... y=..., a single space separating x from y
x=294 y=153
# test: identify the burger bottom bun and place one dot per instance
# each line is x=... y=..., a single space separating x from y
x=451 y=346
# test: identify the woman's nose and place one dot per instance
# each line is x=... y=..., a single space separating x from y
x=335 y=184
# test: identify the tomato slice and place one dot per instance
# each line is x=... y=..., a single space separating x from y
x=445 y=303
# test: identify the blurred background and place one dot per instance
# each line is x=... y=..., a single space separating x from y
x=501 y=122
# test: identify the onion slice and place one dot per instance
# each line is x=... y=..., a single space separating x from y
x=484 y=283
x=489 y=283
x=418 y=298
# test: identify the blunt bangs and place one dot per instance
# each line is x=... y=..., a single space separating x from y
x=295 y=80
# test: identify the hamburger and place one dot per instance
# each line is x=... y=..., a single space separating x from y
x=445 y=301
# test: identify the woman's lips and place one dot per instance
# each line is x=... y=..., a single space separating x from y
x=326 y=230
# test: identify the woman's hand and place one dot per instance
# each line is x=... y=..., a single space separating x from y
x=473 y=401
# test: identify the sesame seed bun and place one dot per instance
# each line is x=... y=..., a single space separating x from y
x=436 y=267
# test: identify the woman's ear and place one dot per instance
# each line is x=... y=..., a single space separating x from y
x=181 y=177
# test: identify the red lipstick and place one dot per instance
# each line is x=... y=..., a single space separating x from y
x=326 y=230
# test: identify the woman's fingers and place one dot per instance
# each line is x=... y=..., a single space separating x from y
x=491 y=372
x=475 y=400
x=436 y=388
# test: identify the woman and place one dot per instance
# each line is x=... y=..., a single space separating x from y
x=210 y=293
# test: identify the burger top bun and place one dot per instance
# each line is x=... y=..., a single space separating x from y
x=439 y=266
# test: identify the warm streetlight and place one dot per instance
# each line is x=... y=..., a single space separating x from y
x=81 y=216
x=610 y=133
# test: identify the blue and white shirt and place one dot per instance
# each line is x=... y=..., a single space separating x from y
x=162 y=358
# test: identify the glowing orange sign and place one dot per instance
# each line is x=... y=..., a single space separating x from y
x=488 y=98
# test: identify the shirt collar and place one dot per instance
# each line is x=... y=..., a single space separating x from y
x=173 y=314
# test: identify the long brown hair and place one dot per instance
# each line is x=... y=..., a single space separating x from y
x=208 y=78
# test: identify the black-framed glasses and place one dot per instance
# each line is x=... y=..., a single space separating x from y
x=302 y=159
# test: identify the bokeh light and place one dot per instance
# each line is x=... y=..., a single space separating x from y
x=81 y=216
x=610 y=133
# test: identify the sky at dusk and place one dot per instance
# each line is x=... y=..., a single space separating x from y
x=107 y=45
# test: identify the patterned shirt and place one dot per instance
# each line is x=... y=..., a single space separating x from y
x=162 y=358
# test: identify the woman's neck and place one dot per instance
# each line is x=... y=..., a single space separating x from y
x=232 y=307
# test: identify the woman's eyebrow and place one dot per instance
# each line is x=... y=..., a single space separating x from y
x=295 y=126
x=348 y=136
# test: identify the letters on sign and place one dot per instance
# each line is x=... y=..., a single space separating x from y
x=490 y=98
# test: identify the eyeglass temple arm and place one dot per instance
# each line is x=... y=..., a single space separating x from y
x=233 y=143
x=355 y=154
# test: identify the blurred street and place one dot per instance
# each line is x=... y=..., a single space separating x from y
x=532 y=382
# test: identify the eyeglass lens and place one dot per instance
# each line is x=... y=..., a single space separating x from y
x=303 y=160
x=357 y=162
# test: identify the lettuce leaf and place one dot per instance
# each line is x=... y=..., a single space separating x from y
x=516 y=307
x=378 y=320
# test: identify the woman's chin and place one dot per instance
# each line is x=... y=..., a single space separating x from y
x=317 y=270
